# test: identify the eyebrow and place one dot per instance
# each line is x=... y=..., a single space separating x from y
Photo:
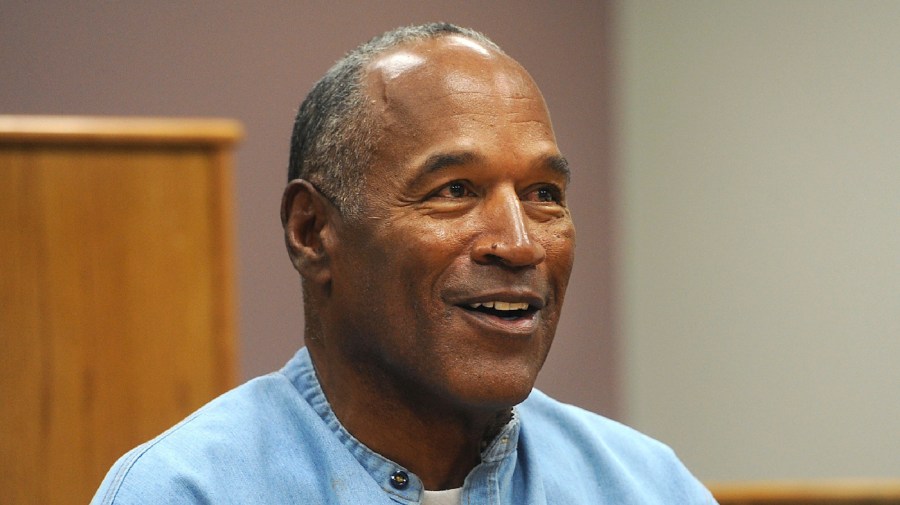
x=559 y=164
x=437 y=162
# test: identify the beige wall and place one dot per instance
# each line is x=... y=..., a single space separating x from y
x=254 y=61
x=760 y=168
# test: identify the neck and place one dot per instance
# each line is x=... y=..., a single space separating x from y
x=440 y=443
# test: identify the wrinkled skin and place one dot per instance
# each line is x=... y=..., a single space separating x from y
x=465 y=204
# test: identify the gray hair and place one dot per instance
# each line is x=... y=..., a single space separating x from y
x=335 y=132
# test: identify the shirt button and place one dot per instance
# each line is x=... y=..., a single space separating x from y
x=399 y=480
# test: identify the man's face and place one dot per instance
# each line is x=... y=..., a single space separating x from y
x=449 y=285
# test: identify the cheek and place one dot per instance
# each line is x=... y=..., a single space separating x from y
x=432 y=242
x=413 y=258
x=559 y=244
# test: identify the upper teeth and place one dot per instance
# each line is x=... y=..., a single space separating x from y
x=501 y=305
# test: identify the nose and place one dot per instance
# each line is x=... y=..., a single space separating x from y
x=506 y=238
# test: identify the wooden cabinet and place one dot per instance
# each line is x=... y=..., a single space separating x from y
x=116 y=291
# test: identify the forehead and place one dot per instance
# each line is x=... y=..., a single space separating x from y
x=448 y=84
x=447 y=64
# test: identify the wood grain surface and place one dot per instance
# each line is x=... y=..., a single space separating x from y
x=116 y=291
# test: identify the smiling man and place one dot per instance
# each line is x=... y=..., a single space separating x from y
x=426 y=215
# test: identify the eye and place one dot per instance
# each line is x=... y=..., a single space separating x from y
x=547 y=193
x=455 y=189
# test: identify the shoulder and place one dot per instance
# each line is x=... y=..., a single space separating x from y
x=578 y=426
x=212 y=449
x=627 y=465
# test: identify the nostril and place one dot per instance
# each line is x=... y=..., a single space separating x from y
x=516 y=255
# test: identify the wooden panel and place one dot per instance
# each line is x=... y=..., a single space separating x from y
x=847 y=492
x=116 y=302
x=86 y=130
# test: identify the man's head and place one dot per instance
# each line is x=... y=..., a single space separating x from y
x=443 y=285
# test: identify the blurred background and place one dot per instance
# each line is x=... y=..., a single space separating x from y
x=736 y=191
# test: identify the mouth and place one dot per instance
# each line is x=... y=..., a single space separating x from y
x=507 y=311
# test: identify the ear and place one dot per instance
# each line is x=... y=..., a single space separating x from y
x=306 y=217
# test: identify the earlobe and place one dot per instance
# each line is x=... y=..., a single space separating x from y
x=305 y=216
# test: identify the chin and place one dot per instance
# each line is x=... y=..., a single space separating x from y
x=493 y=389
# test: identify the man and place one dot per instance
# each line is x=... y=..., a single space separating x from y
x=426 y=215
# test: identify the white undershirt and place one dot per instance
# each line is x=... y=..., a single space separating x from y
x=446 y=497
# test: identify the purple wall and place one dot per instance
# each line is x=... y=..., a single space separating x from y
x=255 y=61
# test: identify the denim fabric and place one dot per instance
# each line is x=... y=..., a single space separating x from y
x=275 y=440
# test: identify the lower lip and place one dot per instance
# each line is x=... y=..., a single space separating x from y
x=524 y=326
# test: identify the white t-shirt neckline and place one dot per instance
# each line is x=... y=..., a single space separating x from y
x=445 y=497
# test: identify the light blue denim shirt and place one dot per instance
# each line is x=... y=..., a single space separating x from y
x=275 y=440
